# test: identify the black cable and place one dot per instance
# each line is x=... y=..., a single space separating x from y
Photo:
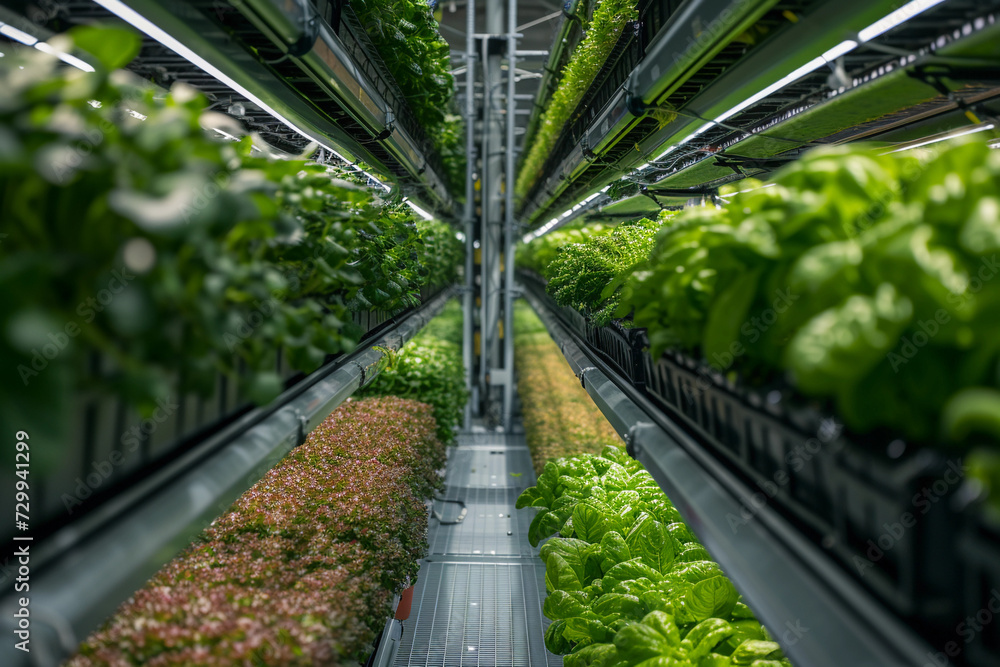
x=461 y=515
x=930 y=58
x=733 y=128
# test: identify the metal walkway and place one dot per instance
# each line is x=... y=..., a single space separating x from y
x=478 y=598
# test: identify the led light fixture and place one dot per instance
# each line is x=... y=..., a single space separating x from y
x=30 y=40
x=877 y=28
x=17 y=35
x=143 y=24
x=893 y=19
x=942 y=137
x=419 y=211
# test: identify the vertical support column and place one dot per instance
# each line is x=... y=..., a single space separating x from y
x=491 y=238
x=469 y=297
x=508 y=235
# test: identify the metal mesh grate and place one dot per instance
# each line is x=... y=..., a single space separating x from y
x=482 y=614
x=492 y=439
x=484 y=531
x=495 y=467
x=478 y=598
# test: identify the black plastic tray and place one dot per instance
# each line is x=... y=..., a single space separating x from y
x=620 y=348
x=976 y=634
x=880 y=508
x=865 y=507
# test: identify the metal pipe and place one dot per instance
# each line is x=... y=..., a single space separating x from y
x=485 y=171
x=508 y=232
x=468 y=298
x=492 y=237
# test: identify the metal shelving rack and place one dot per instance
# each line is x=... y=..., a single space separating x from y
x=732 y=105
x=293 y=75
x=820 y=615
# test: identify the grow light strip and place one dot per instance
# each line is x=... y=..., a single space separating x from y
x=44 y=47
x=419 y=211
x=544 y=229
x=944 y=137
x=741 y=192
x=143 y=24
x=30 y=40
x=893 y=19
x=884 y=24
x=17 y=35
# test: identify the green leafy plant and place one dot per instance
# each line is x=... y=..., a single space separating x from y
x=138 y=245
x=389 y=263
x=442 y=253
x=429 y=369
x=588 y=276
x=405 y=33
x=875 y=276
x=536 y=255
x=628 y=583
x=606 y=26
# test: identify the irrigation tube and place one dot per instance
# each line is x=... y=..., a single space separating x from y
x=80 y=575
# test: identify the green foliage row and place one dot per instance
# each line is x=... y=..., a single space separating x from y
x=538 y=254
x=302 y=569
x=628 y=583
x=442 y=252
x=430 y=369
x=609 y=19
x=571 y=36
x=406 y=35
x=560 y=418
x=141 y=258
x=588 y=276
x=867 y=278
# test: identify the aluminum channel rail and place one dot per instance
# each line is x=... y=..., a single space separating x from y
x=331 y=66
x=662 y=71
x=821 y=616
x=688 y=41
x=81 y=574
x=189 y=32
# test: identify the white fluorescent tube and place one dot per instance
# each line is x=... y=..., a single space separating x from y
x=44 y=47
x=844 y=47
x=17 y=35
x=901 y=15
x=665 y=153
x=139 y=21
x=946 y=137
x=421 y=212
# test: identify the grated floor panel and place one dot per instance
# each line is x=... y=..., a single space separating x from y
x=482 y=614
x=492 y=527
x=478 y=597
x=490 y=467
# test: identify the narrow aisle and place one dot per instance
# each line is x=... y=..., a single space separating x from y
x=479 y=593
